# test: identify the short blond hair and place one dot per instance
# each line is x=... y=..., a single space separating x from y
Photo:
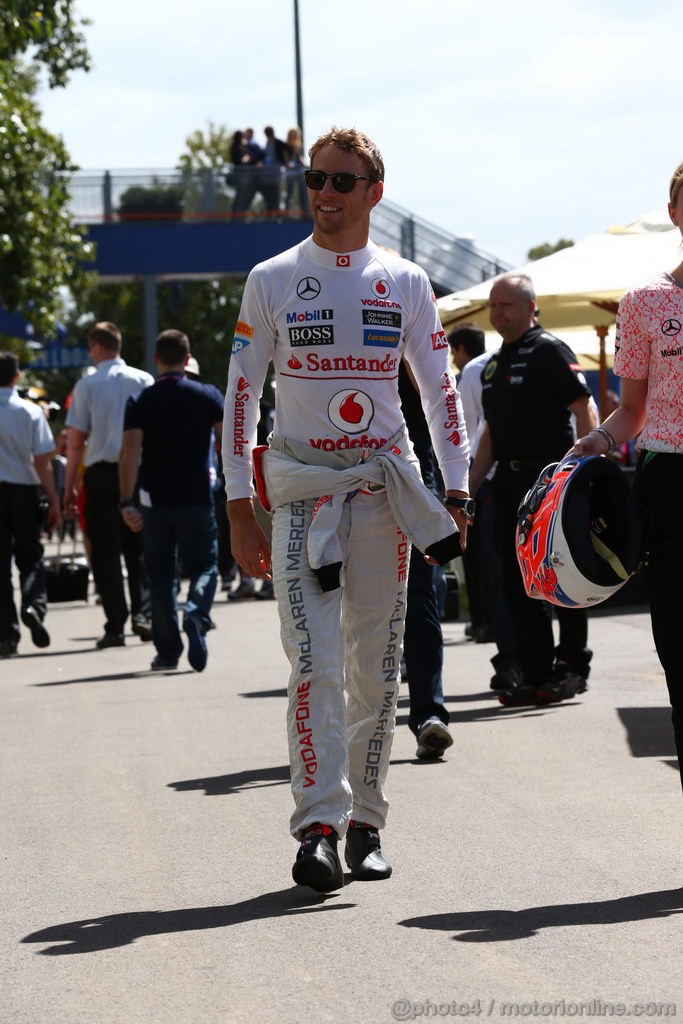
x=350 y=140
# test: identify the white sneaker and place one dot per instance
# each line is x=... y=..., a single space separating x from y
x=433 y=739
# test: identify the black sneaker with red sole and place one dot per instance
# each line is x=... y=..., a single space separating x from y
x=317 y=863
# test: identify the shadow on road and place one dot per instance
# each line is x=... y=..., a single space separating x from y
x=497 y=713
x=112 y=930
x=649 y=731
x=266 y=693
x=111 y=677
x=222 y=785
x=508 y=925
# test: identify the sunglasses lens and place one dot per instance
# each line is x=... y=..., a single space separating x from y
x=343 y=182
x=314 y=180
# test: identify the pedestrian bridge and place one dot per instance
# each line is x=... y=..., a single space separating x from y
x=179 y=225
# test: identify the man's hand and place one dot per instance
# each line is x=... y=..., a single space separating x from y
x=69 y=500
x=54 y=514
x=248 y=543
x=462 y=521
x=132 y=517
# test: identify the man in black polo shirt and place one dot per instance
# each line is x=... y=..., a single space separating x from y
x=167 y=431
x=531 y=388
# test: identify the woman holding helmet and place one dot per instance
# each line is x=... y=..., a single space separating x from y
x=649 y=359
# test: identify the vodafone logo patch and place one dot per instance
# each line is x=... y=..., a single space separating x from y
x=343 y=261
x=351 y=411
x=380 y=288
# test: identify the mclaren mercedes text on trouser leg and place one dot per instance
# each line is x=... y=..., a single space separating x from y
x=346 y=638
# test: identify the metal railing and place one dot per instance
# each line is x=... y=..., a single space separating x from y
x=452 y=262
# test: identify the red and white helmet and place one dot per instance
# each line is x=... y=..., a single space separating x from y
x=578 y=532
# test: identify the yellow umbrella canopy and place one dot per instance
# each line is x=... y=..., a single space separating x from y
x=580 y=287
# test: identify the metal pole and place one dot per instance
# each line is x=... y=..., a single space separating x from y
x=602 y=333
x=151 y=319
x=297 y=59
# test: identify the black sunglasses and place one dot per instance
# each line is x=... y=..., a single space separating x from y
x=342 y=181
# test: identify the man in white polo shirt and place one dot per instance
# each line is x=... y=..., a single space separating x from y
x=95 y=415
x=26 y=450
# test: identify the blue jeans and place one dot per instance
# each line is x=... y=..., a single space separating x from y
x=423 y=645
x=172 y=534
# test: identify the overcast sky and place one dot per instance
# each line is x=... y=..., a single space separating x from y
x=515 y=123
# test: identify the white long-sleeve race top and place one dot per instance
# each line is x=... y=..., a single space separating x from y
x=335 y=326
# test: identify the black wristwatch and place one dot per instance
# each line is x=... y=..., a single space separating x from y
x=127 y=503
x=468 y=505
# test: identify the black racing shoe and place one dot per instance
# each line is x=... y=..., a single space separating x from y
x=363 y=852
x=564 y=684
x=39 y=635
x=317 y=863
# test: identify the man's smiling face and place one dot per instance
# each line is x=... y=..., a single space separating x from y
x=342 y=220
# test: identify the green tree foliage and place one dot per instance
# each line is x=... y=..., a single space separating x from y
x=49 y=29
x=547 y=249
x=207 y=149
x=206 y=311
x=205 y=152
x=40 y=249
x=156 y=201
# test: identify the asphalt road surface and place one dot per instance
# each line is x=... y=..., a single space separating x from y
x=146 y=857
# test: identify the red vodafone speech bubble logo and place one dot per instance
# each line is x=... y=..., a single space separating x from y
x=351 y=411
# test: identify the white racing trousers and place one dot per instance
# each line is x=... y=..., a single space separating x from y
x=348 y=639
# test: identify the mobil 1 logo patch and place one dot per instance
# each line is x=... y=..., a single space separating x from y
x=381 y=318
x=318 y=334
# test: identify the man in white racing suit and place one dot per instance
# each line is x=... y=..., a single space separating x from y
x=336 y=314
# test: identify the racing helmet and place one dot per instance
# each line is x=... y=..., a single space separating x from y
x=579 y=536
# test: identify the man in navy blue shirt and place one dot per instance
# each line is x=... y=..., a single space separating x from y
x=167 y=434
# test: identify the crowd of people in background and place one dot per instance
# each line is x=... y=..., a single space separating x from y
x=272 y=169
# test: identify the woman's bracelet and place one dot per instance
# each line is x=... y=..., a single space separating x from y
x=611 y=443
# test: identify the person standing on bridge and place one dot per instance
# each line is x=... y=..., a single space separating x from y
x=335 y=314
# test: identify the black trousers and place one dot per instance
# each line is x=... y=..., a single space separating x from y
x=20 y=525
x=659 y=491
x=110 y=538
x=533 y=619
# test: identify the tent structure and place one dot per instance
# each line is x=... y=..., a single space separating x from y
x=580 y=287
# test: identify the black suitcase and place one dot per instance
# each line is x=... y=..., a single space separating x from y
x=66 y=576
